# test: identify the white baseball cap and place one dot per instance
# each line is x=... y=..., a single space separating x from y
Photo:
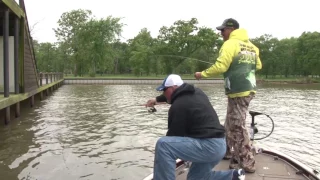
x=171 y=80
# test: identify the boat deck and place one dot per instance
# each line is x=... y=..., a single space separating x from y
x=268 y=167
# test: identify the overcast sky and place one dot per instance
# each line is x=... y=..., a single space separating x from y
x=279 y=18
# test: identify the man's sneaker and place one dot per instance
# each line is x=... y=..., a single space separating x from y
x=238 y=175
x=227 y=157
x=249 y=169
x=234 y=164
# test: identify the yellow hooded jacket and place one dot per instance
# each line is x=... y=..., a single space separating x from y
x=237 y=50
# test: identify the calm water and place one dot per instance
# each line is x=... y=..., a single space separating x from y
x=103 y=132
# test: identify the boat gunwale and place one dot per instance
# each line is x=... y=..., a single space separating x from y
x=302 y=168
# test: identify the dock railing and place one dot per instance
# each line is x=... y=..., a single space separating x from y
x=49 y=77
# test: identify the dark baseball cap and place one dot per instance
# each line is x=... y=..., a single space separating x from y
x=229 y=23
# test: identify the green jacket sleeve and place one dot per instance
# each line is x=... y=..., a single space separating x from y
x=223 y=62
x=259 y=64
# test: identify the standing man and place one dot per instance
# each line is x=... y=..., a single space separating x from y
x=238 y=61
x=194 y=134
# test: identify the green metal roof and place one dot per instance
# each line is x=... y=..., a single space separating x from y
x=14 y=7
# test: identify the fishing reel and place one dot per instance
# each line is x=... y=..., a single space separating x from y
x=152 y=110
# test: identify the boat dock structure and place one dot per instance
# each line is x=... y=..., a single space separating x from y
x=20 y=80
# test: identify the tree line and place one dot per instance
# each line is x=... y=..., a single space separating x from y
x=89 y=46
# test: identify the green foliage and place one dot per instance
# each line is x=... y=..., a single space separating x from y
x=183 y=40
x=141 y=51
x=89 y=46
x=290 y=57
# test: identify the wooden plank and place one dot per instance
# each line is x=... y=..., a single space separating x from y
x=30 y=59
x=30 y=47
x=29 y=71
x=14 y=7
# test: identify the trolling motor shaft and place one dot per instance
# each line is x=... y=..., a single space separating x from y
x=253 y=128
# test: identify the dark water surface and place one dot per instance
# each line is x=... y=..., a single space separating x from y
x=103 y=132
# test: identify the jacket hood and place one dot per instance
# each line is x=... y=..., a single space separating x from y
x=240 y=34
x=184 y=88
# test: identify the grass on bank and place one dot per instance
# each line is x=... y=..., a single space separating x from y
x=129 y=76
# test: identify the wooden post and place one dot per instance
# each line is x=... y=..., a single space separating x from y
x=6 y=53
x=41 y=95
x=32 y=100
x=41 y=75
x=18 y=109
x=21 y=55
x=46 y=78
x=7 y=115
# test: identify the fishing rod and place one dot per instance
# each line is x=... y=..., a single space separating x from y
x=183 y=57
x=253 y=129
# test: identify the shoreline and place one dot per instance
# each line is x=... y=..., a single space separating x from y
x=112 y=80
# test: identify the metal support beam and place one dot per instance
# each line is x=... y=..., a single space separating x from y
x=6 y=52
x=16 y=55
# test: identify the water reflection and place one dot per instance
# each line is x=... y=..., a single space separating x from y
x=104 y=132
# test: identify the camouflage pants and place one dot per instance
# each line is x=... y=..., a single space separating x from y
x=237 y=133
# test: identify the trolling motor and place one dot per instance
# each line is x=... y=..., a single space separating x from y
x=254 y=129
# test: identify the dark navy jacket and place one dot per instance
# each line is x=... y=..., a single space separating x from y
x=192 y=115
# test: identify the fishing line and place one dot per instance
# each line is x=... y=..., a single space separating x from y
x=153 y=110
x=184 y=57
